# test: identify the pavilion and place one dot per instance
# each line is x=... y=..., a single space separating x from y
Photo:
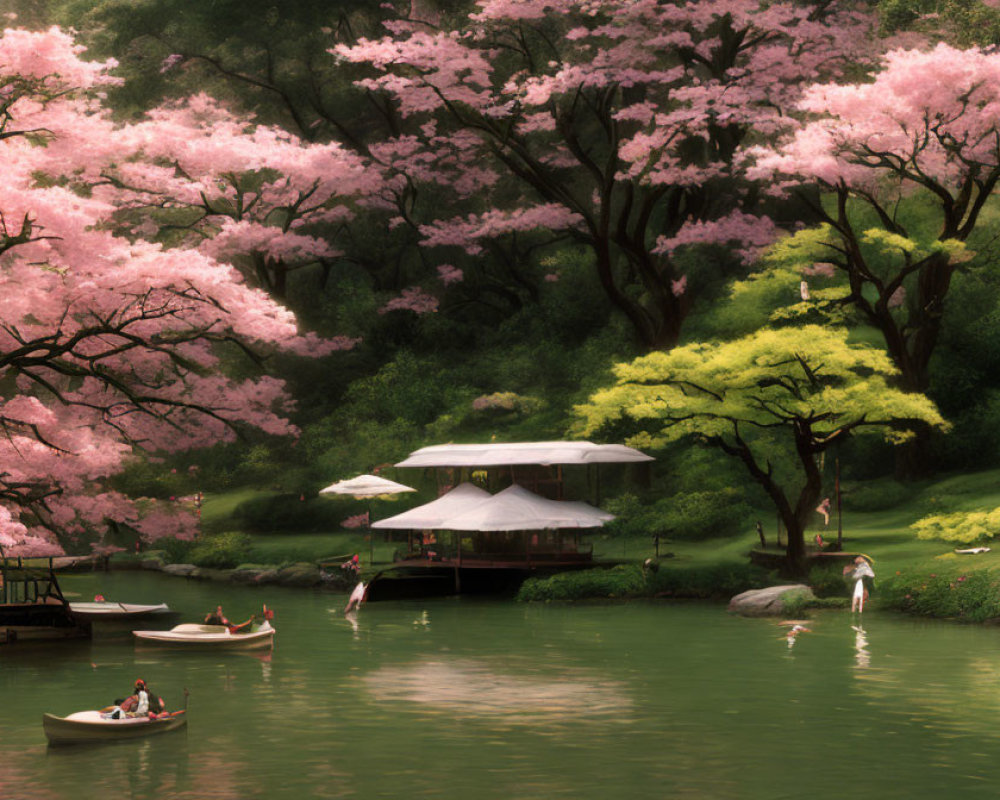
x=472 y=539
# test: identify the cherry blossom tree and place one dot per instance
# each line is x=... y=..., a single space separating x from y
x=198 y=175
x=108 y=344
x=909 y=162
x=615 y=122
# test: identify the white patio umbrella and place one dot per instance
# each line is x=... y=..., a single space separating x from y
x=366 y=487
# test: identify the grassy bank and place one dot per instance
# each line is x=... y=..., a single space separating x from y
x=913 y=575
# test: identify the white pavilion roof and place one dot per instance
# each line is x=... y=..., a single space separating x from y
x=431 y=515
x=517 y=509
x=513 y=509
x=504 y=454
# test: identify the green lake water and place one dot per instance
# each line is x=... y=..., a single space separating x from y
x=483 y=699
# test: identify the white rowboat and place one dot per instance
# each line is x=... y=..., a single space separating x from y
x=90 y=726
x=110 y=610
x=215 y=637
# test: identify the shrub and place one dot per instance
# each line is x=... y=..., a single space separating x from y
x=500 y=403
x=221 y=551
x=700 y=515
x=625 y=580
x=829 y=581
x=287 y=512
x=962 y=527
x=972 y=596
x=708 y=582
x=175 y=551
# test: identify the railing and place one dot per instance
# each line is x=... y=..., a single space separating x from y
x=22 y=582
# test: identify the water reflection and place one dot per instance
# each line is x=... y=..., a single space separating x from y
x=471 y=688
x=862 y=658
x=496 y=700
x=795 y=627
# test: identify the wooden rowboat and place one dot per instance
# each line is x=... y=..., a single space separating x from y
x=90 y=726
x=215 y=637
x=113 y=611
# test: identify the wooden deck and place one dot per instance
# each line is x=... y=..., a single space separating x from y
x=499 y=561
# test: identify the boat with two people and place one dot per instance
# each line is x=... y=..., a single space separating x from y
x=114 y=723
x=93 y=726
x=252 y=634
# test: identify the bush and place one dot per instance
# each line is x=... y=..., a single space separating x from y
x=701 y=515
x=625 y=580
x=221 y=551
x=961 y=527
x=829 y=581
x=972 y=596
x=286 y=512
x=709 y=582
x=629 y=580
x=175 y=551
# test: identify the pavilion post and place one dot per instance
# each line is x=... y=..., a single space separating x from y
x=840 y=516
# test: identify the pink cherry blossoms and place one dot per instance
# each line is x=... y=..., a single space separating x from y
x=927 y=128
x=107 y=342
x=613 y=122
x=251 y=194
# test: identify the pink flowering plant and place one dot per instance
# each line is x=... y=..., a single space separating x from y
x=109 y=335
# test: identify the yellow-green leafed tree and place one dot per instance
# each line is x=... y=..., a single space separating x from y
x=775 y=399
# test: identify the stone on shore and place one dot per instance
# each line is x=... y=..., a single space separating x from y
x=769 y=602
x=302 y=574
x=183 y=570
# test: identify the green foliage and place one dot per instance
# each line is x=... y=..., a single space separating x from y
x=288 y=513
x=772 y=378
x=828 y=581
x=961 y=527
x=712 y=581
x=175 y=551
x=405 y=388
x=876 y=495
x=221 y=550
x=617 y=582
x=507 y=403
x=685 y=515
x=960 y=22
x=949 y=593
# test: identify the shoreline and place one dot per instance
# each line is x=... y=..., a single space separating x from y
x=303 y=574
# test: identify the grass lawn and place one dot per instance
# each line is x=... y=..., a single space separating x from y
x=884 y=535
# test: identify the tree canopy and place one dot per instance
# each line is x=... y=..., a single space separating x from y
x=786 y=394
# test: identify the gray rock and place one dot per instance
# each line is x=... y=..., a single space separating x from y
x=264 y=576
x=770 y=601
x=244 y=575
x=299 y=575
x=183 y=570
x=211 y=573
